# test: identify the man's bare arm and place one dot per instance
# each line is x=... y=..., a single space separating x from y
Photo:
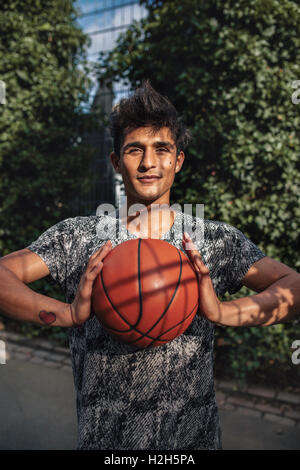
x=277 y=301
x=20 y=302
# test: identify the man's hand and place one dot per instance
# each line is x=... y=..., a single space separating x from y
x=81 y=305
x=209 y=304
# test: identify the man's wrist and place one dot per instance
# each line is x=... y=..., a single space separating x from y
x=68 y=317
x=243 y=311
x=229 y=314
x=72 y=314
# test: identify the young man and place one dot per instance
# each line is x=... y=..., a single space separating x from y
x=162 y=397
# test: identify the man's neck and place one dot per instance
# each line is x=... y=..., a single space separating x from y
x=153 y=221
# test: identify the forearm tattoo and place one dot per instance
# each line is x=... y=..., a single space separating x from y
x=47 y=317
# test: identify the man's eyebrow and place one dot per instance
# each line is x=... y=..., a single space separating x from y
x=132 y=144
x=160 y=143
x=164 y=144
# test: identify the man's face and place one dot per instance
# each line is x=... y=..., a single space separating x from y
x=148 y=164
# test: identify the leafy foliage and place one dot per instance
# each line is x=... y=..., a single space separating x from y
x=228 y=67
x=44 y=163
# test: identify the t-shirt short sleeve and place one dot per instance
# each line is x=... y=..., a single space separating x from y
x=240 y=254
x=52 y=247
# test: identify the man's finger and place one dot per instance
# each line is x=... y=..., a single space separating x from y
x=106 y=244
x=189 y=246
x=194 y=255
x=88 y=280
x=103 y=248
x=188 y=242
x=101 y=256
x=98 y=259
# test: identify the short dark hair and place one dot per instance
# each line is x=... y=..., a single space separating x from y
x=146 y=107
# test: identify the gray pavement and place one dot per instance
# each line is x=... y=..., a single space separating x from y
x=38 y=412
x=243 y=432
x=37 y=407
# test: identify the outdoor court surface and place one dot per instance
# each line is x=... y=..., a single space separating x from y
x=38 y=412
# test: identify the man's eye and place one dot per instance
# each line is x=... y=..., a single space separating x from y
x=134 y=150
x=162 y=149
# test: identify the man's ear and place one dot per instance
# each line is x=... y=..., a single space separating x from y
x=115 y=160
x=179 y=161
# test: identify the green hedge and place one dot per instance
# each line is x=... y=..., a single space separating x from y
x=257 y=354
x=44 y=162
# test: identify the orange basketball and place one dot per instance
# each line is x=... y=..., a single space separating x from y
x=146 y=293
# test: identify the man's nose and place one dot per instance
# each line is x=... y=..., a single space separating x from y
x=149 y=159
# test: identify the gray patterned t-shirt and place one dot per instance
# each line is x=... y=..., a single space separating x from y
x=157 y=398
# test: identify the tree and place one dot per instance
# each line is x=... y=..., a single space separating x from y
x=228 y=67
x=43 y=161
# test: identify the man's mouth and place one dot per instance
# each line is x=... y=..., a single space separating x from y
x=148 y=179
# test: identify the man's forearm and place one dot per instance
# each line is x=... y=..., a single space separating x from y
x=279 y=303
x=20 y=302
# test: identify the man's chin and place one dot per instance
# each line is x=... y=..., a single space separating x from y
x=148 y=195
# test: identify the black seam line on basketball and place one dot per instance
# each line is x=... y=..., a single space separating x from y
x=132 y=327
x=166 y=309
x=109 y=328
x=181 y=321
x=167 y=340
x=139 y=283
x=117 y=311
